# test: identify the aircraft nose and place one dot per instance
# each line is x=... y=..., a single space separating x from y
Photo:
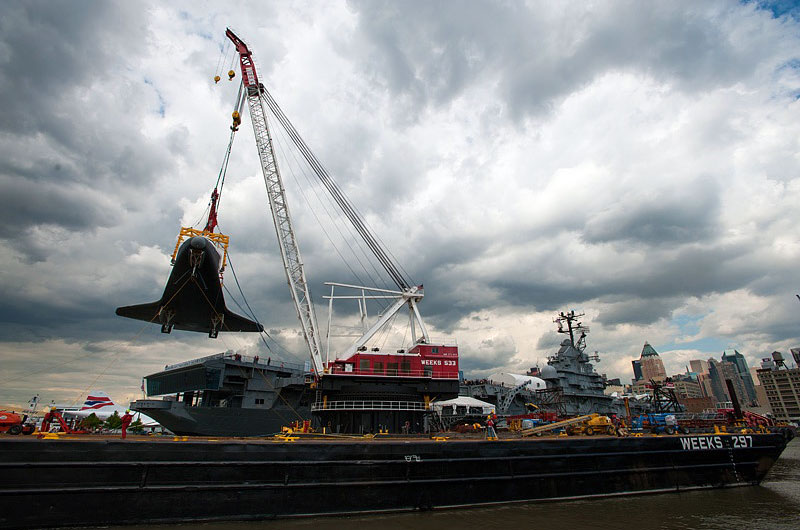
x=198 y=243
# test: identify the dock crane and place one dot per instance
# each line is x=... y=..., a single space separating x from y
x=290 y=252
x=259 y=100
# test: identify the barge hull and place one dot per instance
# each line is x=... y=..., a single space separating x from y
x=78 y=483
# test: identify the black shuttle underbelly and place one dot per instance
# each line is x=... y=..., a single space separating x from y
x=193 y=298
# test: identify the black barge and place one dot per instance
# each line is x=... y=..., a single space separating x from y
x=48 y=483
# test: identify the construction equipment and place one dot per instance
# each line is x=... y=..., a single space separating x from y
x=290 y=252
x=52 y=416
x=596 y=425
x=658 y=423
x=13 y=423
x=588 y=424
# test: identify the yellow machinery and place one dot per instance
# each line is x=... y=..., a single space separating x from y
x=596 y=425
x=220 y=240
x=589 y=424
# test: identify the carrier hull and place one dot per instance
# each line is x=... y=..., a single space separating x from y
x=207 y=421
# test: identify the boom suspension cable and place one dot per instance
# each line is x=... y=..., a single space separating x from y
x=341 y=200
x=336 y=225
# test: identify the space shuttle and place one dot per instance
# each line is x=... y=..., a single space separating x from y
x=192 y=299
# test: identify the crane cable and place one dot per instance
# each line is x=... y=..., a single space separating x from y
x=135 y=338
x=223 y=170
x=223 y=54
x=249 y=311
x=395 y=272
x=278 y=141
x=213 y=308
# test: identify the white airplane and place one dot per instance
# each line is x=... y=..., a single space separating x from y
x=101 y=405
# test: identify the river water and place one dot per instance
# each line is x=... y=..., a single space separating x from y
x=774 y=505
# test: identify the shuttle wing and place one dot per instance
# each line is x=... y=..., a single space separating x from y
x=234 y=322
x=146 y=312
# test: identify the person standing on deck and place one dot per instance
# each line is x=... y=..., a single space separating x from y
x=490 y=432
x=126 y=420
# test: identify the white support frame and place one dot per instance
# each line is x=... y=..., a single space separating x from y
x=410 y=297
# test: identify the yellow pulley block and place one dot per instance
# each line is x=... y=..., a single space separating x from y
x=231 y=75
x=216 y=79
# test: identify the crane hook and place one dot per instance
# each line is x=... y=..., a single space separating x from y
x=231 y=75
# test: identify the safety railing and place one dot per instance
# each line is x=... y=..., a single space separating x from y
x=392 y=372
x=246 y=359
x=368 y=405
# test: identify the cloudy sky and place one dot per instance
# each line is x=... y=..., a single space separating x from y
x=636 y=161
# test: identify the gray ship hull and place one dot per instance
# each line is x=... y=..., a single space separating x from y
x=218 y=421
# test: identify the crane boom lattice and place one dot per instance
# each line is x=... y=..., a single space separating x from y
x=290 y=252
x=260 y=102
x=292 y=262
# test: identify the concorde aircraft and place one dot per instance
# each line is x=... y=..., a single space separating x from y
x=101 y=405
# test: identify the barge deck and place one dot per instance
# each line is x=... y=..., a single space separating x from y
x=101 y=481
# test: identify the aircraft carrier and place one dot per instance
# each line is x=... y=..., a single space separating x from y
x=228 y=394
x=568 y=385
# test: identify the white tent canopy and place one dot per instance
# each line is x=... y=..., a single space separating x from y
x=464 y=401
x=512 y=380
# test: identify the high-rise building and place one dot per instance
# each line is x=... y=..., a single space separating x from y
x=715 y=384
x=686 y=387
x=718 y=372
x=699 y=366
x=637 y=369
x=704 y=381
x=782 y=388
x=738 y=360
x=652 y=366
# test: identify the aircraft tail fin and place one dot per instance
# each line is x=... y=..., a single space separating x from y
x=146 y=312
x=97 y=400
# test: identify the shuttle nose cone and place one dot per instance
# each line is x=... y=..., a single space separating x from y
x=198 y=243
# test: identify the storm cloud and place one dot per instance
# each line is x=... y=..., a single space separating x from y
x=635 y=162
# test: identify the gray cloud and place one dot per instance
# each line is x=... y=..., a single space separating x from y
x=638 y=311
x=630 y=160
x=73 y=116
x=430 y=53
x=679 y=216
